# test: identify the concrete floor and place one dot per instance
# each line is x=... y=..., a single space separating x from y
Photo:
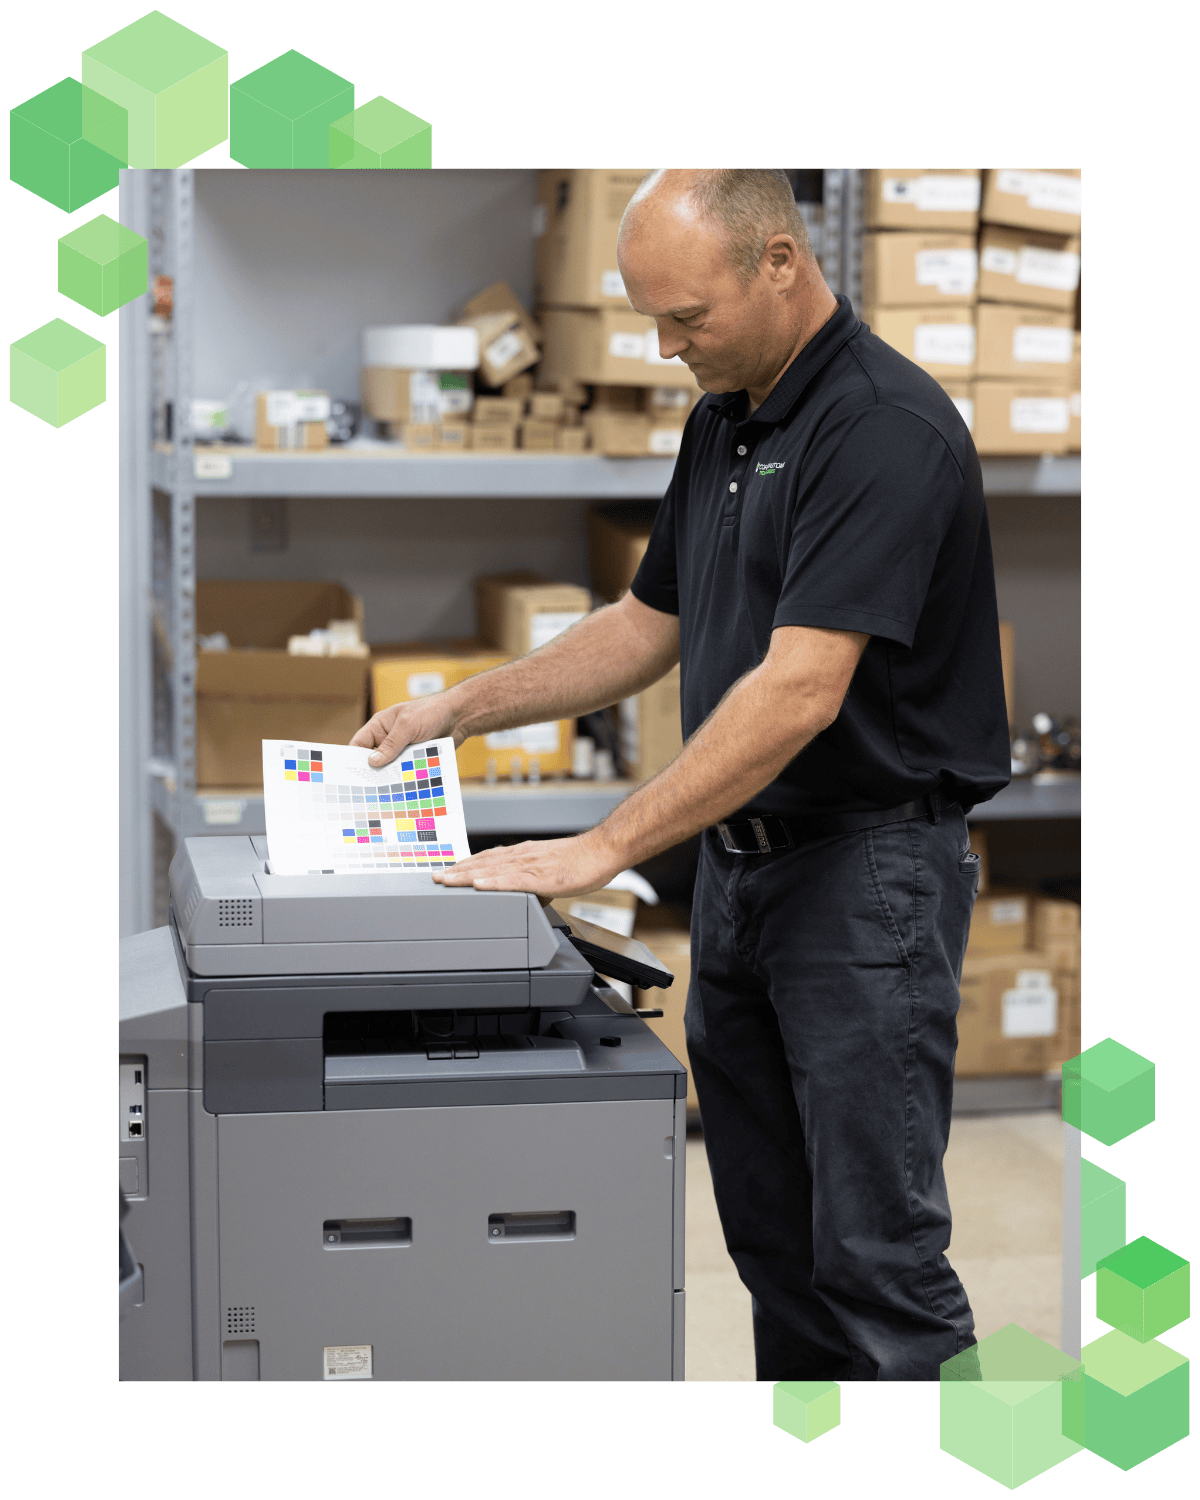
x=1005 y=1178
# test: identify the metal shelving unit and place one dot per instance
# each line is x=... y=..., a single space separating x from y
x=164 y=475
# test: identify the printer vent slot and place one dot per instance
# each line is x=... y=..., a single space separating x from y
x=239 y=913
x=239 y=1320
x=192 y=902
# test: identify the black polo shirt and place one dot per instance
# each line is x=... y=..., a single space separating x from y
x=852 y=500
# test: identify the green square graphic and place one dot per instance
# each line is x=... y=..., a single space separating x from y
x=1102 y=1211
x=1002 y=1405
x=1143 y=1289
x=1133 y=1401
x=807 y=1408
x=56 y=372
x=102 y=265
x=173 y=83
x=1108 y=1091
x=279 y=115
x=380 y=134
x=48 y=150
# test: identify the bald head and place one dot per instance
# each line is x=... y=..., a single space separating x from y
x=722 y=263
x=742 y=208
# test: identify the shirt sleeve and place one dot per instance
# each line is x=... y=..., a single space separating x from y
x=656 y=582
x=878 y=492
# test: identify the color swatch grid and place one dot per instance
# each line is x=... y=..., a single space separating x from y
x=354 y=824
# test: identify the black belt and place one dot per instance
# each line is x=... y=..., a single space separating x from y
x=762 y=835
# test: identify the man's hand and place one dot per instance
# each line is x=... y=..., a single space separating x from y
x=393 y=729
x=548 y=867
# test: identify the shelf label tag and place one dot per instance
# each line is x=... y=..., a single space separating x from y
x=222 y=809
x=212 y=465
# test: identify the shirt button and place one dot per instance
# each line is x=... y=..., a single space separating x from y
x=742 y=449
x=733 y=489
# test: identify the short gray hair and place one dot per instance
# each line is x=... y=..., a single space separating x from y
x=746 y=206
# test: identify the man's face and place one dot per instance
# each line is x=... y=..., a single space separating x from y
x=724 y=329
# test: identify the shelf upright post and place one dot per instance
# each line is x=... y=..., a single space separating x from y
x=841 y=232
x=832 y=194
x=183 y=499
x=136 y=877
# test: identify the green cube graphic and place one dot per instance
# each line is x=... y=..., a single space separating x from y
x=173 y=83
x=380 y=134
x=1108 y=1091
x=102 y=265
x=807 y=1408
x=1002 y=1406
x=49 y=152
x=56 y=372
x=1133 y=1401
x=1143 y=1289
x=279 y=115
x=1102 y=1206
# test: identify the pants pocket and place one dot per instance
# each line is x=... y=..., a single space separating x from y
x=891 y=867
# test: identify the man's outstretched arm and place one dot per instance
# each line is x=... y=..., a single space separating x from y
x=608 y=655
x=761 y=724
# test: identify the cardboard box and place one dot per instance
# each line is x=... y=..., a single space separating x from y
x=633 y=434
x=614 y=910
x=500 y=298
x=256 y=691
x=576 y=221
x=505 y=346
x=520 y=386
x=919 y=270
x=1050 y=201
x=291 y=420
x=1022 y=266
x=520 y=611
x=1008 y=668
x=493 y=437
x=607 y=346
x=621 y=398
x=403 y=396
x=1016 y=417
x=617 y=540
x=1023 y=343
x=536 y=436
x=571 y=439
x=506 y=411
x=941 y=340
x=1012 y=1018
x=961 y=393
x=546 y=406
x=921 y=198
x=665 y=933
x=1001 y=923
x=1074 y=401
x=651 y=734
x=1056 y=931
x=452 y=437
x=415 y=669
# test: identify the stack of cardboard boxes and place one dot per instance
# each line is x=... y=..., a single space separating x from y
x=591 y=336
x=975 y=276
x=518 y=612
x=1020 y=982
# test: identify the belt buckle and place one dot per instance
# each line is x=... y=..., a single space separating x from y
x=727 y=839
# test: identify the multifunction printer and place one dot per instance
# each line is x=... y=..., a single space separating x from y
x=376 y=1128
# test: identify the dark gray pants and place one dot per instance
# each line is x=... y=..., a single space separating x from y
x=821 y=1030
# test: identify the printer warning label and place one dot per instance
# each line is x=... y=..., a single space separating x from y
x=348 y=1362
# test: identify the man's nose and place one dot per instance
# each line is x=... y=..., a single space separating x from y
x=669 y=343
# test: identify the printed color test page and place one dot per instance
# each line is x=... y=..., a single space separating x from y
x=330 y=813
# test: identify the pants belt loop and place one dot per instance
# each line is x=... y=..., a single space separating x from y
x=933 y=802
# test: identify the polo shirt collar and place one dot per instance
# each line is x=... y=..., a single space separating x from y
x=791 y=385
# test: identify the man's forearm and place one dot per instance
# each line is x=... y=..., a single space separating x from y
x=740 y=748
x=602 y=658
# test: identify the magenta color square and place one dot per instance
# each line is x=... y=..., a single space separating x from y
x=302 y=775
x=363 y=839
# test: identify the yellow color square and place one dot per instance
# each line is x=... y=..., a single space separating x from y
x=289 y=776
x=408 y=823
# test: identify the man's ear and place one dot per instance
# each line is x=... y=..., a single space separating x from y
x=780 y=261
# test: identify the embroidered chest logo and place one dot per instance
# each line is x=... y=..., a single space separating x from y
x=766 y=468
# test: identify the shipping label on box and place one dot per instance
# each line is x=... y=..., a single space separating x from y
x=941 y=341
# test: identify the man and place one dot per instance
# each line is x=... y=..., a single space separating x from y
x=821 y=567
